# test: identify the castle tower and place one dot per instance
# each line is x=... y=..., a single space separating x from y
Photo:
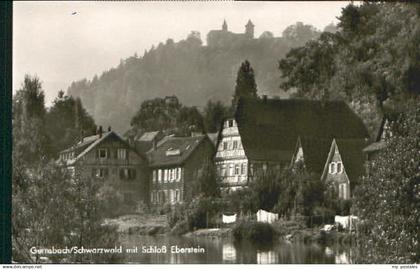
x=224 y=26
x=249 y=29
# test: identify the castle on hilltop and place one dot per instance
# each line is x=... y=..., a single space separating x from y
x=223 y=37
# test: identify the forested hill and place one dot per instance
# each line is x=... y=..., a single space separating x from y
x=193 y=72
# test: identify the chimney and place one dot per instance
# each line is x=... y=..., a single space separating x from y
x=100 y=131
x=109 y=128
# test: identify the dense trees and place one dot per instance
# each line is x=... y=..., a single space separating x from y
x=187 y=69
x=169 y=115
x=290 y=191
x=299 y=33
x=214 y=114
x=67 y=121
x=372 y=62
x=369 y=61
x=245 y=83
x=388 y=200
x=30 y=139
x=50 y=206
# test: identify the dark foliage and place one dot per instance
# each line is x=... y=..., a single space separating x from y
x=245 y=83
x=187 y=69
x=257 y=232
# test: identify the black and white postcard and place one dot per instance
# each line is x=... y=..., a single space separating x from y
x=215 y=132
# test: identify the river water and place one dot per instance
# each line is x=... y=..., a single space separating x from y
x=225 y=250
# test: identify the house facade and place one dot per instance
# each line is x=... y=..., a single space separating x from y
x=262 y=135
x=108 y=158
x=176 y=164
x=230 y=160
x=344 y=166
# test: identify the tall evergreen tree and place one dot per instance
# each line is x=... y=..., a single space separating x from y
x=30 y=141
x=67 y=121
x=245 y=83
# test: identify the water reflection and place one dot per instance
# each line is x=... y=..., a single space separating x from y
x=229 y=253
x=225 y=250
x=267 y=257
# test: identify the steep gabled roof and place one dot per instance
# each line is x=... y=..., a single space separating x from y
x=174 y=150
x=88 y=143
x=269 y=128
x=315 y=152
x=352 y=157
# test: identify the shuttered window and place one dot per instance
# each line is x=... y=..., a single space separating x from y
x=128 y=173
x=122 y=154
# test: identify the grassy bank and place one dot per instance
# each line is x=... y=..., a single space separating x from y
x=143 y=224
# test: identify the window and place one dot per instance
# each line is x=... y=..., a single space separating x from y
x=100 y=172
x=71 y=171
x=231 y=171
x=102 y=153
x=177 y=196
x=264 y=167
x=235 y=144
x=343 y=191
x=236 y=169
x=230 y=122
x=225 y=145
x=165 y=175
x=339 y=167
x=166 y=196
x=332 y=168
x=251 y=169
x=122 y=154
x=243 y=169
x=224 y=170
x=160 y=175
x=154 y=176
x=178 y=175
x=127 y=173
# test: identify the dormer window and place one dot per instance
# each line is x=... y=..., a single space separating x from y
x=173 y=152
x=230 y=123
x=339 y=167
x=332 y=168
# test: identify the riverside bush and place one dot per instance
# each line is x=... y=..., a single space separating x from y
x=258 y=232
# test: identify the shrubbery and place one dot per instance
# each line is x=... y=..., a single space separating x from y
x=199 y=213
x=257 y=232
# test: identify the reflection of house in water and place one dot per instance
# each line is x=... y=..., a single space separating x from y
x=267 y=257
x=174 y=258
x=229 y=253
x=342 y=258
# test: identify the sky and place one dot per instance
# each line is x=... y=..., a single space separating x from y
x=61 y=42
